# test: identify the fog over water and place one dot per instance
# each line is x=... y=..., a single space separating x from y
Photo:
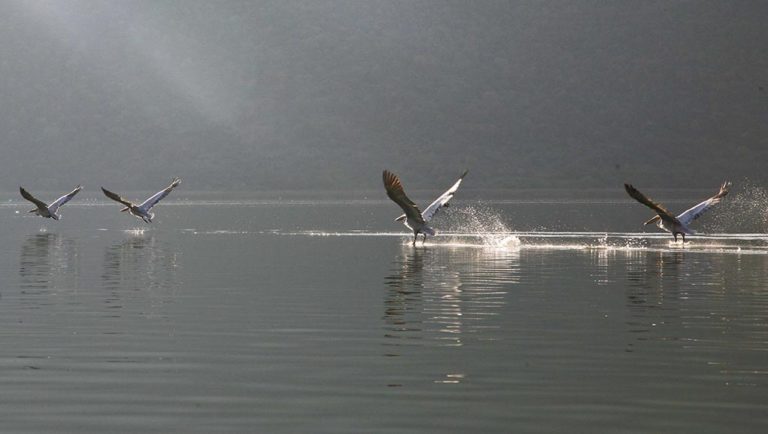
x=325 y=94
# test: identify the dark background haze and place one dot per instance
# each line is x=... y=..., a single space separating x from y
x=316 y=94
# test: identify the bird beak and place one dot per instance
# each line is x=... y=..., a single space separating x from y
x=652 y=220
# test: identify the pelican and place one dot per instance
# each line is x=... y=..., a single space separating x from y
x=49 y=211
x=142 y=210
x=413 y=218
x=667 y=221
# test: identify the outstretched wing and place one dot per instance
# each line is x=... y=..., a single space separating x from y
x=442 y=201
x=157 y=197
x=116 y=197
x=39 y=203
x=63 y=199
x=395 y=192
x=692 y=214
x=645 y=200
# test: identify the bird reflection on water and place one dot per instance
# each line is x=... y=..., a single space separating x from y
x=696 y=303
x=140 y=263
x=48 y=261
x=446 y=295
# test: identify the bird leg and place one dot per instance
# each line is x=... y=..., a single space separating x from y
x=425 y=239
x=675 y=235
x=415 y=237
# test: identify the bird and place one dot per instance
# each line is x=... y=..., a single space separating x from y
x=667 y=221
x=49 y=211
x=142 y=210
x=413 y=218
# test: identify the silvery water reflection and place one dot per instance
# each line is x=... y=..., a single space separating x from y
x=140 y=263
x=48 y=261
x=701 y=304
x=444 y=295
x=171 y=329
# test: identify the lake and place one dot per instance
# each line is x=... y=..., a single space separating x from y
x=530 y=312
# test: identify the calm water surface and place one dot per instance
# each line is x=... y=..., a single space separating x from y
x=261 y=315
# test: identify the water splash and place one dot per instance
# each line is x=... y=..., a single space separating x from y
x=485 y=223
x=744 y=211
x=510 y=242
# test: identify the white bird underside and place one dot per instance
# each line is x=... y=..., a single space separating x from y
x=49 y=211
x=142 y=210
x=677 y=224
x=414 y=218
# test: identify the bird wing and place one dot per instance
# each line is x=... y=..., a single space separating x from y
x=442 y=201
x=116 y=197
x=39 y=203
x=692 y=214
x=63 y=199
x=645 y=200
x=157 y=197
x=395 y=192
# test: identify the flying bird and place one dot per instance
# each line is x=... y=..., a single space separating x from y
x=413 y=218
x=142 y=210
x=667 y=221
x=48 y=211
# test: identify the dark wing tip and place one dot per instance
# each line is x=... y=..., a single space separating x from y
x=464 y=174
x=635 y=194
x=109 y=194
x=28 y=196
x=390 y=179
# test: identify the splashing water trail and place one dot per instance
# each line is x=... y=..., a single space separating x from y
x=510 y=242
x=486 y=224
x=135 y=231
x=745 y=211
